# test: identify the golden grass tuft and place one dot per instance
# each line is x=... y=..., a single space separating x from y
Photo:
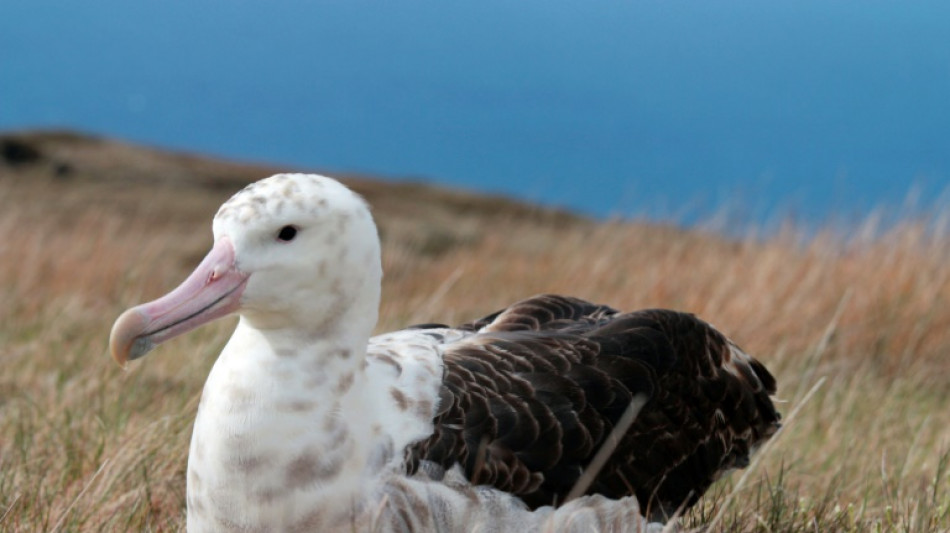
x=86 y=446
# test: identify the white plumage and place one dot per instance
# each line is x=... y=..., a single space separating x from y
x=307 y=424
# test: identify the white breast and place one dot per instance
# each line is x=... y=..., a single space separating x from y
x=270 y=446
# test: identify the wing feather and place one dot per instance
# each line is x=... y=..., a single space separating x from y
x=532 y=393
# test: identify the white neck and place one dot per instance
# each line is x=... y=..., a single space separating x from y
x=281 y=428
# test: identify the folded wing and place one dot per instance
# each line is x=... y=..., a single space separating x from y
x=531 y=395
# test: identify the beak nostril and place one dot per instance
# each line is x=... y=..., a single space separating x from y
x=216 y=273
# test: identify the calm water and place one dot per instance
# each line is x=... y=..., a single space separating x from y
x=666 y=109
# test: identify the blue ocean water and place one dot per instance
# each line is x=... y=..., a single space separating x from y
x=817 y=109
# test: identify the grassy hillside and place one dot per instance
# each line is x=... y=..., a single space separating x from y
x=856 y=328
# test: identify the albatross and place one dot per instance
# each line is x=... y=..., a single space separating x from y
x=553 y=414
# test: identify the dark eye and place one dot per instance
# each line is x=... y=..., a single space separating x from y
x=287 y=233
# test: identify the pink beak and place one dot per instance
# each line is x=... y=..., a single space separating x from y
x=213 y=290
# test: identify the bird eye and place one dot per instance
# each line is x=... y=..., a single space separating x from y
x=287 y=233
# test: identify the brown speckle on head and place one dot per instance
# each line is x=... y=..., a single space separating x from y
x=274 y=196
x=342 y=222
x=288 y=190
x=246 y=214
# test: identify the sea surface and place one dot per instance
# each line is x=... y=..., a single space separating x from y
x=816 y=110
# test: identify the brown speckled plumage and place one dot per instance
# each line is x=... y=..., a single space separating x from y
x=529 y=398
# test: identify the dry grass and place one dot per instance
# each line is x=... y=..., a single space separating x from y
x=85 y=446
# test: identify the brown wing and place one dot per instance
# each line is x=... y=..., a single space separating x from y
x=529 y=399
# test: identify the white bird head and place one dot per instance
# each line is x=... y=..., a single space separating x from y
x=295 y=252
